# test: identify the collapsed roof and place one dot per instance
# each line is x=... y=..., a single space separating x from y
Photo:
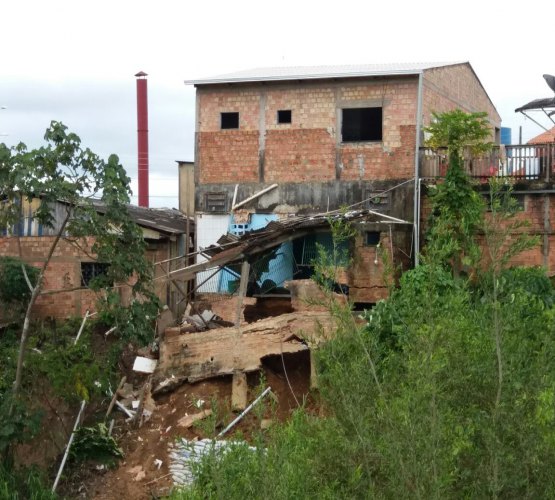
x=231 y=249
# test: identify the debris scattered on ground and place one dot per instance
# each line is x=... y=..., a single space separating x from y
x=207 y=320
x=138 y=473
x=188 y=420
x=183 y=454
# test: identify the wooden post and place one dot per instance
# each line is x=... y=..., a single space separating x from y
x=115 y=397
x=245 y=268
x=239 y=391
x=313 y=375
x=239 y=383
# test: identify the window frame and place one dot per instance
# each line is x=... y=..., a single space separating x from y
x=353 y=109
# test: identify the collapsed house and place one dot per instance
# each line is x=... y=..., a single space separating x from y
x=276 y=143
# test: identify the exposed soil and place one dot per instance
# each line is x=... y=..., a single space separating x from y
x=138 y=477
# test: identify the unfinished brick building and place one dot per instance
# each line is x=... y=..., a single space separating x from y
x=311 y=140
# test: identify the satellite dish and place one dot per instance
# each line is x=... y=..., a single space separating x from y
x=550 y=79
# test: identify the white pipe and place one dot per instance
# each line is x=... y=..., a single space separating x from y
x=394 y=219
x=416 y=220
x=235 y=195
x=254 y=196
x=82 y=326
x=247 y=409
x=60 y=470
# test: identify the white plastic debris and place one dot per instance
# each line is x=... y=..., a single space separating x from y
x=183 y=454
x=158 y=463
x=199 y=403
x=144 y=365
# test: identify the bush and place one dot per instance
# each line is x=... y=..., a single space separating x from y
x=14 y=290
x=416 y=404
x=25 y=484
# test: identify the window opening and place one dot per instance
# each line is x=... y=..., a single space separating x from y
x=377 y=200
x=92 y=270
x=372 y=238
x=361 y=124
x=230 y=120
x=284 y=116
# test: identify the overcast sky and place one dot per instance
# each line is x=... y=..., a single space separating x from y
x=74 y=61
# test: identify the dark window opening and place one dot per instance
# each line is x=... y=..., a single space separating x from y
x=361 y=124
x=230 y=120
x=93 y=271
x=215 y=202
x=372 y=238
x=284 y=116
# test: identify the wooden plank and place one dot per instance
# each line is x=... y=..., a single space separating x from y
x=245 y=268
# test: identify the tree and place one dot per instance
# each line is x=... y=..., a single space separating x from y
x=63 y=171
x=457 y=209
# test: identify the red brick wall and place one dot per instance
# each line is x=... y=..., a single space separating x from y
x=453 y=87
x=231 y=154
x=310 y=148
x=534 y=215
x=64 y=272
x=299 y=155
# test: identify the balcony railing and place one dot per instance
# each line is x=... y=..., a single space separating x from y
x=523 y=163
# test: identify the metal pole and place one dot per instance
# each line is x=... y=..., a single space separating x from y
x=247 y=409
x=60 y=470
x=417 y=174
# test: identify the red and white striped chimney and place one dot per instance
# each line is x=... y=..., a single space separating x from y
x=142 y=137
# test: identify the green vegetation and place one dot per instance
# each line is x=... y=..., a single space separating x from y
x=63 y=173
x=24 y=484
x=14 y=291
x=94 y=443
x=447 y=390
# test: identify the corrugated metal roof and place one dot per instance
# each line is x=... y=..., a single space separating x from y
x=165 y=220
x=319 y=72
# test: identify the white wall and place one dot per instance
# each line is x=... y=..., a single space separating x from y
x=209 y=229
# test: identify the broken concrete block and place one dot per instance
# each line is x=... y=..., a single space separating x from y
x=239 y=390
x=189 y=420
x=126 y=391
x=165 y=320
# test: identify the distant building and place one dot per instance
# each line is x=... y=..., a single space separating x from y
x=72 y=266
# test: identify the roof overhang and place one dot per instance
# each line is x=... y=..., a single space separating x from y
x=260 y=75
